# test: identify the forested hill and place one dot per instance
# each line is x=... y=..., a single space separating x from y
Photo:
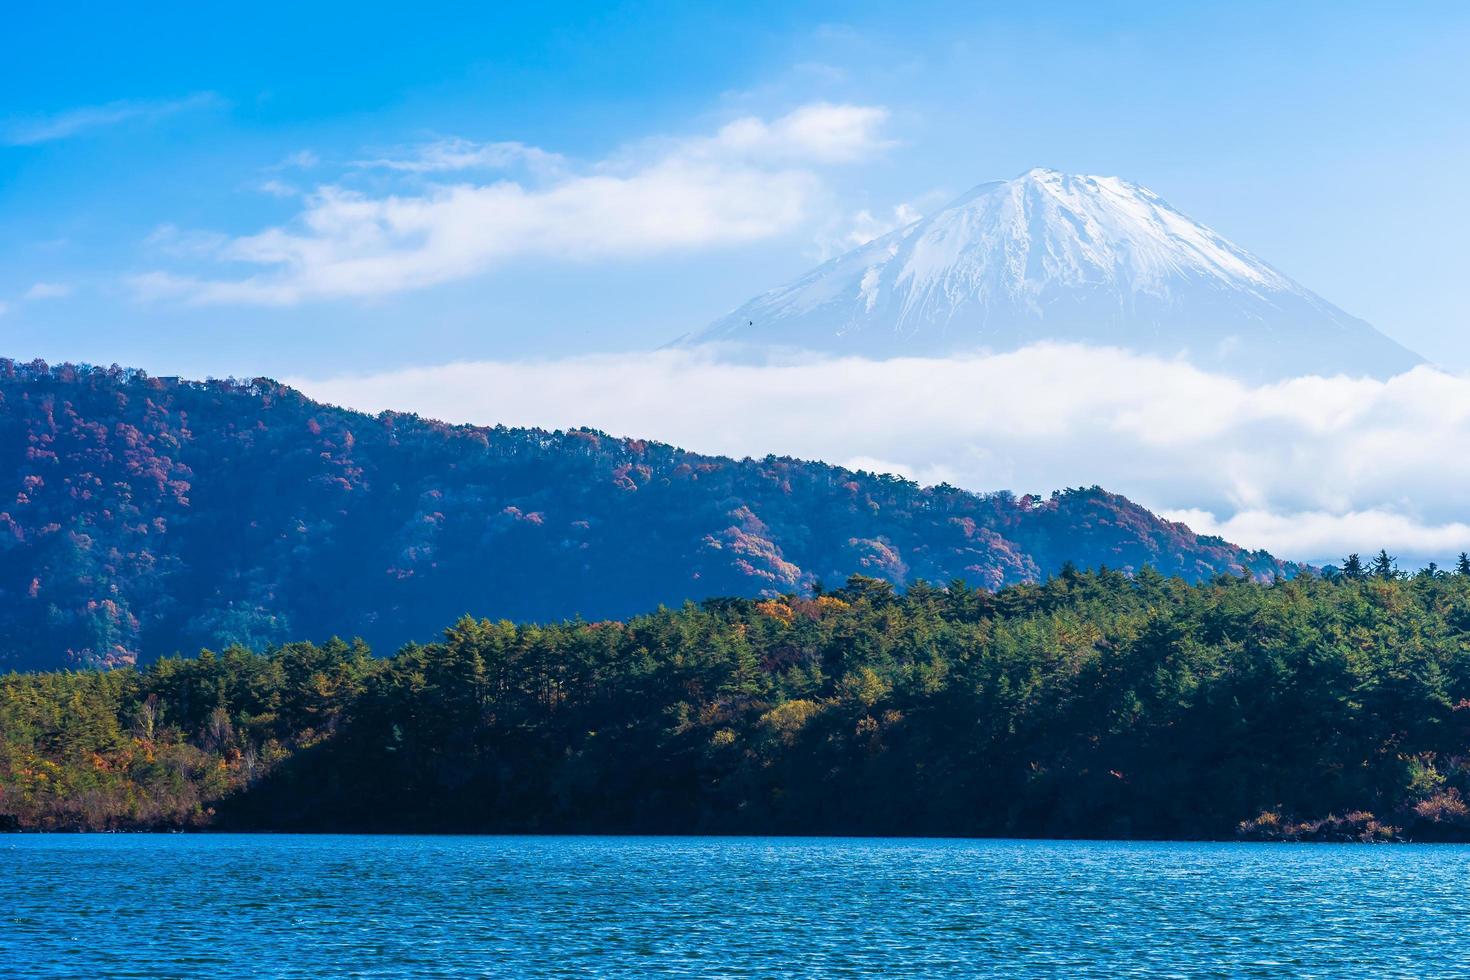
x=141 y=516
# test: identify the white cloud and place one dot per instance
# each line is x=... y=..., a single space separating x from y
x=175 y=241
x=1331 y=536
x=864 y=227
x=76 y=121
x=278 y=188
x=300 y=160
x=1309 y=468
x=447 y=155
x=752 y=180
x=858 y=228
x=821 y=132
x=47 y=290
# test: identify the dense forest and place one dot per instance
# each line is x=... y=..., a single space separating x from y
x=1092 y=704
x=144 y=516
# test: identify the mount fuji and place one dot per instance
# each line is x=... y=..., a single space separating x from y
x=1058 y=257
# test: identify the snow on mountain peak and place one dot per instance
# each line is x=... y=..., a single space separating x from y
x=1054 y=256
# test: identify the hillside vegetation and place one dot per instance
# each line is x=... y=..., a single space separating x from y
x=143 y=516
x=1095 y=704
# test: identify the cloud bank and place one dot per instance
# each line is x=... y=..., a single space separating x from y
x=751 y=180
x=1309 y=468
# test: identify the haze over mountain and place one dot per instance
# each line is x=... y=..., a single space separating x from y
x=147 y=515
x=1052 y=256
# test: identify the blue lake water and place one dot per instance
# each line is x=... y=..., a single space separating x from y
x=300 y=906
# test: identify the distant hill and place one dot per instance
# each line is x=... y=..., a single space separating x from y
x=1062 y=257
x=142 y=515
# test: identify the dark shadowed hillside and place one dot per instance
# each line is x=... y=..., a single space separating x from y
x=140 y=515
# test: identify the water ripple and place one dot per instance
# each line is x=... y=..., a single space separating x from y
x=311 y=907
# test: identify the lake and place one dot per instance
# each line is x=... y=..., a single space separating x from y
x=309 y=906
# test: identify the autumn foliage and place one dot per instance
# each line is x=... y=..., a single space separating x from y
x=1094 y=704
x=141 y=516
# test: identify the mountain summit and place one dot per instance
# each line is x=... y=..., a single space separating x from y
x=1053 y=256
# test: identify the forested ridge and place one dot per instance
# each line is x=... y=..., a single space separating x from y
x=142 y=516
x=1092 y=704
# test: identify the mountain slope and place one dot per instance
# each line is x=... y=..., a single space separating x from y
x=146 y=515
x=1049 y=256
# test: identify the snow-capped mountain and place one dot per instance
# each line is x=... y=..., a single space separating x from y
x=1052 y=256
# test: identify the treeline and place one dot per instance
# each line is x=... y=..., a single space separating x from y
x=1094 y=704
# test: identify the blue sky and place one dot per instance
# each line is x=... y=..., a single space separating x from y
x=145 y=158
